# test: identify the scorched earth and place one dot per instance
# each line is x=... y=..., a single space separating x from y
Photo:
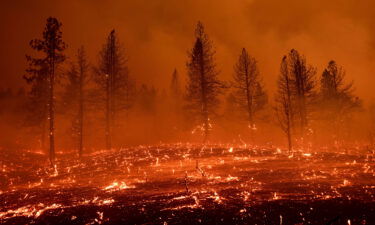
x=189 y=184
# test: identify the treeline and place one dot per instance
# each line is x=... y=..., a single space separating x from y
x=104 y=98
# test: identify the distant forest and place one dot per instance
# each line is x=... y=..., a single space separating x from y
x=72 y=103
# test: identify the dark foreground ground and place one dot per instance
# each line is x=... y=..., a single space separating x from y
x=189 y=184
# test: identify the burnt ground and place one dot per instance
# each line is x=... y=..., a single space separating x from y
x=188 y=184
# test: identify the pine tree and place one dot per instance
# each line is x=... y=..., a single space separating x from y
x=74 y=96
x=334 y=92
x=52 y=46
x=249 y=93
x=175 y=86
x=337 y=100
x=175 y=94
x=111 y=76
x=303 y=84
x=203 y=87
x=284 y=104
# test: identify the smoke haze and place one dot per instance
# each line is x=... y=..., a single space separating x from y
x=157 y=34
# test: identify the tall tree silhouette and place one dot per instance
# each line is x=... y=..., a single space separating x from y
x=111 y=76
x=284 y=104
x=337 y=100
x=175 y=86
x=176 y=93
x=175 y=96
x=303 y=84
x=52 y=47
x=249 y=92
x=334 y=92
x=203 y=86
x=74 y=96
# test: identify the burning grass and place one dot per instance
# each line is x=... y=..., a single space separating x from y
x=188 y=184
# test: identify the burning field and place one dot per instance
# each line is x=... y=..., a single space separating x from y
x=189 y=184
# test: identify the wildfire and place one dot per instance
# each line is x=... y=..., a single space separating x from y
x=28 y=211
x=116 y=186
x=250 y=175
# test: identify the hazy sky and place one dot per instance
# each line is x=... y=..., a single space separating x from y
x=158 y=33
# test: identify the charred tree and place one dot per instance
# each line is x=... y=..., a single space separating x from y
x=83 y=68
x=52 y=47
x=175 y=86
x=334 y=92
x=111 y=76
x=249 y=93
x=284 y=104
x=303 y=86
x=336 y=98
x=203 y=87
x=176 y=100
x=74 y=96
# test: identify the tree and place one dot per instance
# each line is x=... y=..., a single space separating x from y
x=303 y=85
x=249 y=91
x=334 y=93
x=284 y=105
x=111 y=76
x=175 y=94
x=74 y=96
x=337 y=100
x=175 y=86
x=52 y=47
x=203 y=86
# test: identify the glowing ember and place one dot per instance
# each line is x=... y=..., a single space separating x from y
x=188 y=179
x=117 y=186
x=28 y=211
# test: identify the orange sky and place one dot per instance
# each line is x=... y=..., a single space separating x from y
x=158 y=33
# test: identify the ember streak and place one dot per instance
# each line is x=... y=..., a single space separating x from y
x=147 y=184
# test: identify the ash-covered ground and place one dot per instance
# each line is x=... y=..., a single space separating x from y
x=189 y=184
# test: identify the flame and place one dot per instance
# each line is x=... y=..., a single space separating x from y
x=117 y=186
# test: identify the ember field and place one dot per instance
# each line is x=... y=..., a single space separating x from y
x=189 y=184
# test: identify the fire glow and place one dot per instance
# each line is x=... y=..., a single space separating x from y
x=199 y=176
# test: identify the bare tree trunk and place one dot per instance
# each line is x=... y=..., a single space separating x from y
x=289 y=116
x=249 y=103
x=290 y=147
x=52 y=110
x=43 y=134
x=107 y=128
x=206 y=127
x=110 y=103
x=80 y=113
x=204 y=101
x=112 y=85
